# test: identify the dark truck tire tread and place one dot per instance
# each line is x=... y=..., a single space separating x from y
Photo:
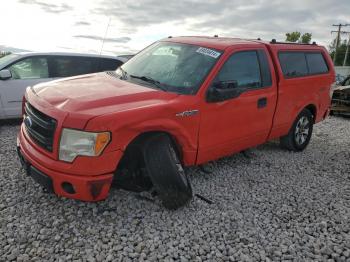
x=166 y=172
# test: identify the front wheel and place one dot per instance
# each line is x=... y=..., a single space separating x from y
x=166 y=172
x=300 y=133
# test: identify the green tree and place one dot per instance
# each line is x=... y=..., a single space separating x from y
x=293 y=36
x=297 y=37
x=306 y=38
x=341 y=50
x=2 y=53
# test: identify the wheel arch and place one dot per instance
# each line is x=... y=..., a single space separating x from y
x=282 y=128
x=185 y=140
x=142 y=137
x=289 y=141
x=298 y=109
x=136 y=143
x=313 y=109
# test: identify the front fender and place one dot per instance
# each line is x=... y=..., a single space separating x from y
x=128 y=126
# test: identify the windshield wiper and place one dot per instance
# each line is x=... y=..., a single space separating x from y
x=150 y=80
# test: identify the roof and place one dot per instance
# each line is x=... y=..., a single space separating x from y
x=16 y=56
x=219 y=43
x=64 y=54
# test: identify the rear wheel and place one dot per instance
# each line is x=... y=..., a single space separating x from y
x=300 y=133
x=166 y=172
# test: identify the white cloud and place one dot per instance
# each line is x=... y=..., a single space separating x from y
x=53 y=25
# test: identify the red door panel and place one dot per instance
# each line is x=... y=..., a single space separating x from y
x=231 y=126
x=238 y=123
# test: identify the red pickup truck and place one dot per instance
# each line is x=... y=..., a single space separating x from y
x=182 y=101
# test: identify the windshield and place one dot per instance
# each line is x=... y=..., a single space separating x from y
x=173 y=67
x=5 y=59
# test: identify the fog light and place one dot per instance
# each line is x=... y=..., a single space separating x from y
x=68 y=188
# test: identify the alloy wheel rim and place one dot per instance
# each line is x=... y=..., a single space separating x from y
x=302 y=130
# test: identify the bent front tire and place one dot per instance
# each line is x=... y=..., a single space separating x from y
x=166 y=172
x=300 y=133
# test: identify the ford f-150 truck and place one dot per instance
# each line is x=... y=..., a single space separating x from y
x=182 y=101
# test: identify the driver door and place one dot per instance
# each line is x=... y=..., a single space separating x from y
x=233 y=124
x=26 y=72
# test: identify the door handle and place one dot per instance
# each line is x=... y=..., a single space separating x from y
x=262 y=102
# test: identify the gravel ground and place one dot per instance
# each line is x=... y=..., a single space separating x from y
x=267 y=205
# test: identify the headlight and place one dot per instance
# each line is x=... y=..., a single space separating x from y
x=79 y=143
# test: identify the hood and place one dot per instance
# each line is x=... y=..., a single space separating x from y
x=97 y=94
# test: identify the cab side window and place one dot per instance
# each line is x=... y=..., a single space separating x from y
x=293 y=64
x=242 y=69
x=30 y=68
x=298 y=64
x=316 y=63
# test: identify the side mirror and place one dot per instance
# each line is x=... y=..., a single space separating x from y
x=224 y=90
x=5 y=74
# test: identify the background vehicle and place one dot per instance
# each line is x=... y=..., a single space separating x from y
x=182 y=101
x=341 y=98
x=339 y=79
x=18 y=71
x=125 y=58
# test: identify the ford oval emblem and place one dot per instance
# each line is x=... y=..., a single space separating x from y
x=28 y=121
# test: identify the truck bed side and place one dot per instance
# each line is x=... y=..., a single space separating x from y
x=295 y=94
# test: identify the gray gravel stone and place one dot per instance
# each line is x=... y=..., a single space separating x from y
x=268 y=205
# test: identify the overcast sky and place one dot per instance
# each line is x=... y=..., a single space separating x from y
x=80 y=25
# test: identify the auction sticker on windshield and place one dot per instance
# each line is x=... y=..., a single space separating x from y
x=209 y=52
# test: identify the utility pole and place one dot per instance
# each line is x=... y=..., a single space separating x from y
x=338 y=38
x=346 y=52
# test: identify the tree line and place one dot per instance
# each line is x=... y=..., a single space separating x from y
x=2 y=53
